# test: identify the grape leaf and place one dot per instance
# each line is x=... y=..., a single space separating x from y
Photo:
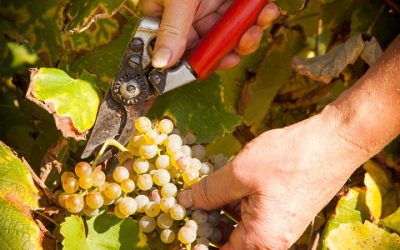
x=16 y=182
x=226 y=144
x=345 y=212
x=290 y=7
x=362 y=236
x=83 y=14
x=198 y=107
x=392 y=221
x=273 y=71
x=104 y=232
x=73 y=102
x=17 y=229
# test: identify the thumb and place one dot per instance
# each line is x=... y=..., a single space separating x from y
x=216 y=190
x=174 y=30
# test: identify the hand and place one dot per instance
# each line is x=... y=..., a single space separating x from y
x=185 y=22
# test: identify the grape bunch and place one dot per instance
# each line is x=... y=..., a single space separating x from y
x=159 y=164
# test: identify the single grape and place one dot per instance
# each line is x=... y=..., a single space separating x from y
x=94 y=200
x=167 y=236
x=86 y=182
x=183 y=163
x=206 y=168
x=216 y=236
x=90 y=212
x=176 y=131
x=162 y=161
x=169 y=190
x=155 y=196
x=205 y=230
x=190 y=177
x=214 y=218
x=74 y=203
x=164 y=221
x=151 y=137
x=219 y=160
x=200 y=216
x=138 y=140
x=144 y=182
x=165 y=126
x=152 y=209
x=141 y=166
x=127 y=186
x=147 y=224
x=175 y=157
x=166 y=203
x=173 y=143
x=148 y=151
x=199 y=151
x=143 y=124
x=98 y=178
x=161 y=177
x=192 y=224
x=66 y=175
x=62 y=198
x=120 y=173
x=107 y=201
x=118 y=213
x=83 y=169
x=195 y=164
x=190 y=138
x=186 y=151
x=187 y=235
x=70 y=185
x=127 y=206
x=141 y=201
x=203 y=241
x=112 y=191
x=177 y=212
x=200 y=247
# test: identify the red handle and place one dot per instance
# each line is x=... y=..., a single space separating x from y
x=224 y=36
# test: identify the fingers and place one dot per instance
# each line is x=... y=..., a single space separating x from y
x=174 y=30
x=216 y=190
x=229 y=61
x=250 y=40
x=268 y=15
x=237 y=239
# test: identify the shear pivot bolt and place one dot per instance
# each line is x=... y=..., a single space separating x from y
x=155 y=79
x=137 y=44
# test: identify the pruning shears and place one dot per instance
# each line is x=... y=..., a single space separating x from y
x=137 y=81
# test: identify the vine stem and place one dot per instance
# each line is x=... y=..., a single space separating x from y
x=107 y=143
x=46 y=217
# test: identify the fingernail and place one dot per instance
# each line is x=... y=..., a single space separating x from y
x=185 y=199
x=161 y=57
x=275 y=11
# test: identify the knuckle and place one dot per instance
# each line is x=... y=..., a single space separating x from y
x=168 y=30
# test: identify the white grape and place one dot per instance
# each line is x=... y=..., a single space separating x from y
x=205 y=230
x=198 y=151
x=186 y=151
x=148 y=151
x=165 y=126
x=200 y=216
x=164 y=221
x=166 y=203
x=195 y=164
x=141 y=166
x=127 y=206
x=144 y=182
x=183 y=163
x=200 y=247
x=143 y=124
x=162 y=161
x=205 y=169
x=177 y=212
x=169 y=190
x=192 y=223
x=152 y=209
x=161 y=177
x=147 y=224
x=187 y=235
x=141 y=201
x=190 y=177
x=167 y=236
x=190 y=138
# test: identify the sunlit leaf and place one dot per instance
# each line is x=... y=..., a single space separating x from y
x=227 y=144
x=291 y=6
x=392 y=221
x=73 y=230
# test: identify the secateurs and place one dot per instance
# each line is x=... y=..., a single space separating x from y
x=137 y=81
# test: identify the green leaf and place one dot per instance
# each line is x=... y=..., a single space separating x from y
x=362 y=236
x=104 y=232
x=291 y=7
x=198 y=107
x=378 y=182
x=18 y=231
x=83 y=14
x=345 y=212
x=226 y=144
x=16 y=182
x=73 y=102
x=392 y=221
x=73 y=230
x=273 y=71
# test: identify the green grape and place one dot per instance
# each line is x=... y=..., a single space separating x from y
x=98 y=178
x=90 y=212
x=167 y=236
x=190 y=177
x=147 y=224
x=120 y=173
x=164 y=221
x=190 y=138
x=161 y=177
x=144 y=182
x=152 y=209
x=94 y=200
x=162 y=161
x=192 y=224
x=177 y=212
x=62 y=198
x=141 y=201
x=169 y=190
x=141 y=166
x=187 y=235
x=214 y=218
x=112 y=191
x=200 y=216
x=127 y=206
x=118 y=213
x=83 y=169
x=86 y=182
x=70 y=185
x=166 y=203
x=165 y=126
x=205 y=230
x=143 y=124
x=148 y=151
x=74 y=203
x=66 y=175
x=199 y=151
x=128 y=186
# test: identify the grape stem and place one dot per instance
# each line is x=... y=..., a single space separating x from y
x=46 y=217
x=107 y=143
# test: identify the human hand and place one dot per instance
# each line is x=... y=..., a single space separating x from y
x=185 y=22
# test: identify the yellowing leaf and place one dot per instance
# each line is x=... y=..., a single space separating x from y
x=73 y=102
x=392 y=221
x=16 y=182
x=362 y=236
x=73 y=230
